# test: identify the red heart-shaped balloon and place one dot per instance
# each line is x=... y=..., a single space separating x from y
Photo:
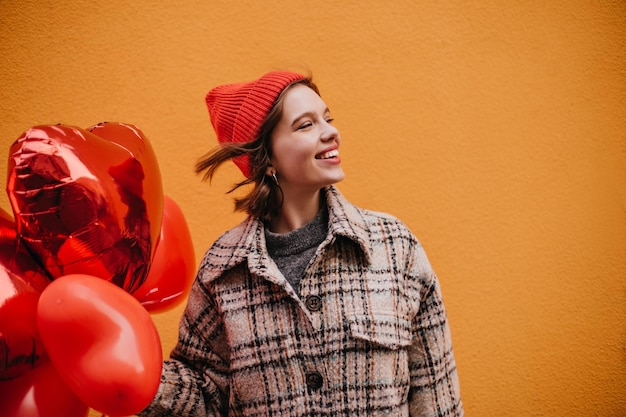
x=85 y=203
x=39 y=393
x=21 y=282
x=102 y=342
x=173 y=266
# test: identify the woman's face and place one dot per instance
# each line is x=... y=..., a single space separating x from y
x=305 y=145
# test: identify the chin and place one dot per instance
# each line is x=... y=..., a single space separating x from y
x=336 y=179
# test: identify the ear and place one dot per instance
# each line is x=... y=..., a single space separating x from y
x=270 y=170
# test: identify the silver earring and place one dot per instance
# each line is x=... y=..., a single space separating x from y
x=274 y=177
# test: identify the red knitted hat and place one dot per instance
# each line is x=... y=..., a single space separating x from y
x=238 y=110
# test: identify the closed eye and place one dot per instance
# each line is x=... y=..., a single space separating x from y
x=304 y=125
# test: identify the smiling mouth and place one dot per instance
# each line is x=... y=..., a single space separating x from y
x=328 y=155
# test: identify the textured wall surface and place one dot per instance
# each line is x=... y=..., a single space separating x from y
x=495 y=130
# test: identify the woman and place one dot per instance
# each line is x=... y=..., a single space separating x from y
x=311 y=306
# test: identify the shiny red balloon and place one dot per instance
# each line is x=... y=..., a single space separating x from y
x=39 y=393
x=85 y=203
x=137 y=144
x=21 y=282
x=173 y=267
x=102 y=342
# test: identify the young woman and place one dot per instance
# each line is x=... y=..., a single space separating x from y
x=311 y=306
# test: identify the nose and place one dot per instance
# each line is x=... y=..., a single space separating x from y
x=329 y=132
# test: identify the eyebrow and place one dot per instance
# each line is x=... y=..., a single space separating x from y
x=308 y=114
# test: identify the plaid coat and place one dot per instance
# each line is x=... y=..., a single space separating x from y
x=368 y=336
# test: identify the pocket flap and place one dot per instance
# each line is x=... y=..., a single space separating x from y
x=383 y=329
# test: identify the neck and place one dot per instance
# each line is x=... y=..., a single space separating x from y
x=296 y=212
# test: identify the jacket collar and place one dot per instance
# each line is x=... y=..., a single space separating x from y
x=345 y=219
x=246 y=242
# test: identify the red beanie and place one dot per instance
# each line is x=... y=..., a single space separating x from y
x=238 y=110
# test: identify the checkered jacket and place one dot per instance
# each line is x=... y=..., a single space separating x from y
x=368 y=335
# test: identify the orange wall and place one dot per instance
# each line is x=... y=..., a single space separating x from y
x=496 y=130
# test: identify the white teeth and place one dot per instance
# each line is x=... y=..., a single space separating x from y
x=329 y=154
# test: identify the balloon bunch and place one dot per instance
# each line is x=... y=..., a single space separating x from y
x=93 y=248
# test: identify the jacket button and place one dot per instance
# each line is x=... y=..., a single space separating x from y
x=314 y=380
x=313 y=303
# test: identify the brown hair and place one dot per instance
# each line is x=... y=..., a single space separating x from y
x=265 y=198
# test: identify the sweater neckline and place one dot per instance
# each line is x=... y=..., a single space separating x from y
x=311 y=234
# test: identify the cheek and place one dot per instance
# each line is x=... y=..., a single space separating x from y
x=289 y=156
x=291 y=164
x=295 y=168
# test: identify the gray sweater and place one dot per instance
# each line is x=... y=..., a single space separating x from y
x=293 y=251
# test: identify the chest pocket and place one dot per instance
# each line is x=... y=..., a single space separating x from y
x=381 y=328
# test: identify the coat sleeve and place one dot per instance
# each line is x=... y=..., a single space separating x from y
x=194 y=379
x=434 y=387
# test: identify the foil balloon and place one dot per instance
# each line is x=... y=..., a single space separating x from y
x=85 y=203
x=40 y=393
x=21 y=282
x=102 y=342
x=173 y=267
